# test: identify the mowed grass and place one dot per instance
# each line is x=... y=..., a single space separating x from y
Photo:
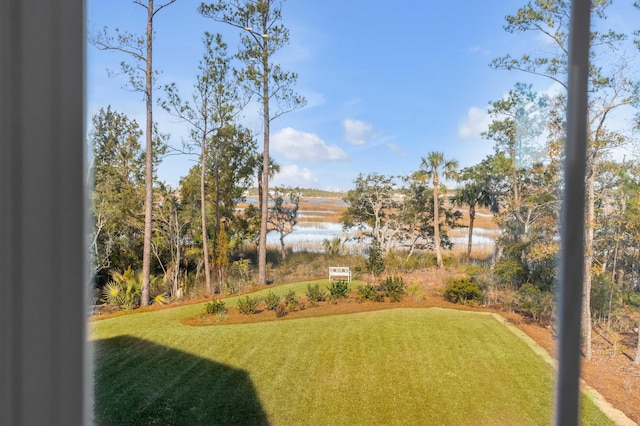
x=400 y=366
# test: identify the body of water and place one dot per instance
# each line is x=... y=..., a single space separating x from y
x=310 y=236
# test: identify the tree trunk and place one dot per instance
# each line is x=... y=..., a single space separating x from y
x=516 y=196
x=203 y=216
x=472 y=217
x=436 y=219
x=176 y=271
x=282 y=249
x=262 y=240
x=588 y=260
x=148 y=201
x=218 y=219
x=613 y=281
x=636 y=361
x=217 y=170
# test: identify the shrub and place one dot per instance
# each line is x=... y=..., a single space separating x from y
x=463 y=290
x=604 y=291
x=160 y=299
x=292 y=300
x=125 y=288
x=271 y=301
x=216 y=306
x=357 y=271
x=632 y=299
x=281 y=309
x=338 y=290
x=475 y=270
x=315 y=295
x=535 y=302
x=248 y=305
x=369 y=292
x=375 y=262
x=394 y=288
x=416 y=291
x=394 y=262
x=511 y=272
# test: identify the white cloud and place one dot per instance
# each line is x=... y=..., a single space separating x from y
x=297 y=145
x=476 y=122
x=292 y=175
x=555 y=89
x=395 y=148
x=477 y=49
x=356 y=132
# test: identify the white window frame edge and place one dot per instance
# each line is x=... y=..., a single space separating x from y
x=45 y=368
x=43 y=363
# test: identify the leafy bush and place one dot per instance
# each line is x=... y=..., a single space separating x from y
x=248 y=305
x=271 y=301
x=474 y=270
x=160 y=299
x=332 y=247
x=632 y=299
x=357 y=270
x=125 y=288
x=509 y=271
x=369 y=292
x=604 y=291
x=292 y=300
x=338 y=290
x=281 y=309
x=315 y=295
x=375 y=262
x=416 y=291
x=216 y=306
x=535 y=302
x=394 y=288
x=463 y=290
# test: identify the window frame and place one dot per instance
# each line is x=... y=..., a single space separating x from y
x=45 y=363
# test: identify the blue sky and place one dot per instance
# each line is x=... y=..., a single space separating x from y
x=385 y=83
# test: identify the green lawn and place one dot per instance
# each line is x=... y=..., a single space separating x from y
x=400 y=366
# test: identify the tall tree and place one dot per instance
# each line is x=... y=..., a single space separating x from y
x=262 y=37
x=116 y=200
x=414 y=216
x=477 y=191
x=519 y=120
x=173 y=224
x=140 y=50
x=431 y=168
x=283 y=214
x=610 y=87
x=370 y=205
x=213 y=106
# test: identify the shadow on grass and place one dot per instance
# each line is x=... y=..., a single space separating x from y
x=138 y=382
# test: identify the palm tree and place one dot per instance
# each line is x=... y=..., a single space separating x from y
x=473 y=194
x=431 y=168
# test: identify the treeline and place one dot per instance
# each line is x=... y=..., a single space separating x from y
x=226 y=153
x=177 y=244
